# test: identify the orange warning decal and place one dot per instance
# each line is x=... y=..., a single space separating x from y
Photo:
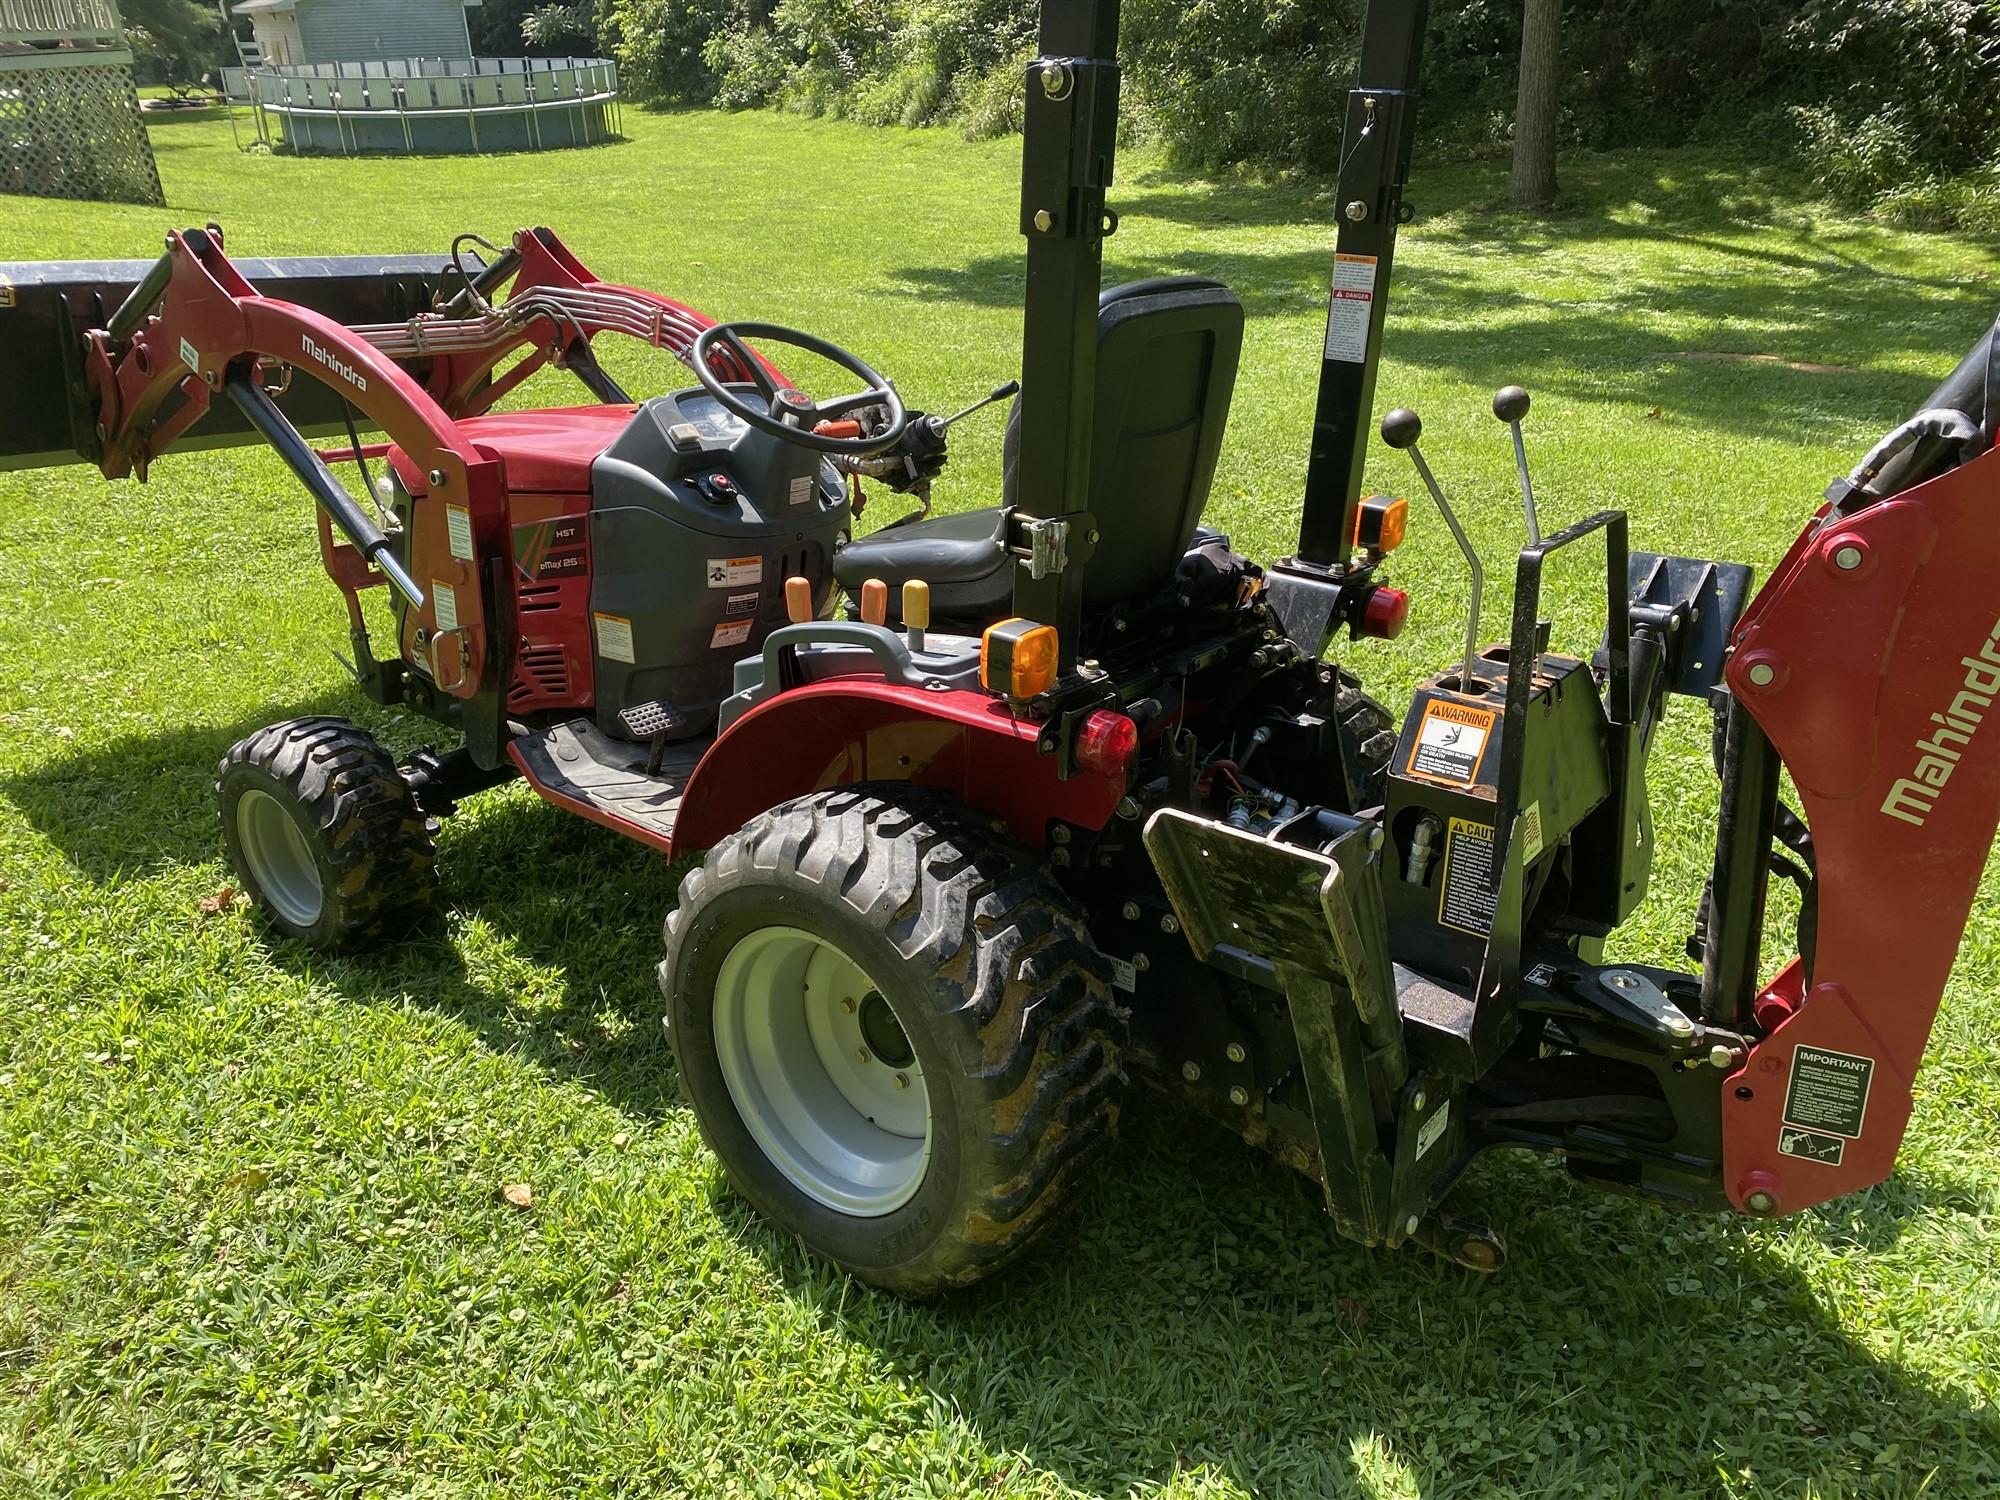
x=1451 y=742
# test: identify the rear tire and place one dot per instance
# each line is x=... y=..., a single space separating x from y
x=998 y=1000
x=324 y=834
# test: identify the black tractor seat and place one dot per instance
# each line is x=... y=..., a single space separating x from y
x=1167 y=352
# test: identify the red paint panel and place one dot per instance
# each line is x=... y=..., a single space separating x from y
x=553 y=665
x=1882 y=693
x=837 y=733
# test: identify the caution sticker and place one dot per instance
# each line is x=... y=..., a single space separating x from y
x=1828 y=1092
x=1451 y=742
x=1468 y=899
x=1352 y=305
x=458 y=531
x=444 y=604
x=730 y=633
x=734 y=572
x=614 y=638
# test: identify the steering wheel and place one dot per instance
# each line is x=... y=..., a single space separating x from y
x=791 y=414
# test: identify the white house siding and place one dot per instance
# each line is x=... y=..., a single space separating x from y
x=358 y=30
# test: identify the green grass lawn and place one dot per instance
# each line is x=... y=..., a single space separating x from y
x=251 y=1234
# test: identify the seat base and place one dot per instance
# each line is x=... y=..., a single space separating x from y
x=962 y=557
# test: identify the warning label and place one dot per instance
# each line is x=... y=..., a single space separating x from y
x=1828 y=1091
x=734 y=572
x=1451 y=742
x=1352 y=305
x=1432 y=1130
x=1804 y=1144
x=1468 y=899
x=614 y=638
x=458 y=531
x=730 y=633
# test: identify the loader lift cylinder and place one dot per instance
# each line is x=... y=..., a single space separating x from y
x=313 y=473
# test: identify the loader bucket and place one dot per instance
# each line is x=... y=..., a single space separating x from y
x=47 y=415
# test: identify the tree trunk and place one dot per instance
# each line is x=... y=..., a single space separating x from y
x=1533 y=181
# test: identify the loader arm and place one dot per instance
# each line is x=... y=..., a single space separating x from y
x=1872 y=661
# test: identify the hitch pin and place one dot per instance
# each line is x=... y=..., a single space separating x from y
x=1400 y=429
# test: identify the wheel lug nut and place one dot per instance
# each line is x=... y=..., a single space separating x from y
x=902 y=1080
x=861 y=1054
x=847 y=1006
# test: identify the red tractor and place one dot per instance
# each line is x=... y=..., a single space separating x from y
x=999 y=809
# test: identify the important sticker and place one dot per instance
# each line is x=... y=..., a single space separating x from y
x=730 y=633
x=189 y=357
x=1468 y=898
x=1351 y=307
x=1124 y=974
x=614 y=638
x=458 y=531
x=444 y=604
x=1451 y=742
x=1432 y=1130
x=1808 y=1145
x=734 y=572
x=801 y=492
x=1828 y=1091
x=740 y=604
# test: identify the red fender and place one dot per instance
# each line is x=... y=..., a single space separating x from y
x=1879 y=683
x=854 y=729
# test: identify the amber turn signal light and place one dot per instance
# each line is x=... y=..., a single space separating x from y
x=1018 y=658
x=1379 y=523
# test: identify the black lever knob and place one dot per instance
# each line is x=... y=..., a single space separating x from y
x=1510 y=403
x=1402 y=427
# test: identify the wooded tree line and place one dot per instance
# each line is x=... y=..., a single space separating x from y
x=1893 y=104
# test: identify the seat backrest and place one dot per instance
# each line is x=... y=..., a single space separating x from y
x=1167 y=352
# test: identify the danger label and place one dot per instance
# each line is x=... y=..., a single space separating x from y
x=614 y=638
x=1468 y=899
x=734 y=572
x=1808 y=1145
x=1828 y=1091
x=730 y=633
x=1451 y=742
x=1352 y=306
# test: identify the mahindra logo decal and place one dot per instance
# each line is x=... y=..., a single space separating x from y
x=1912 y=799
x=333 y=362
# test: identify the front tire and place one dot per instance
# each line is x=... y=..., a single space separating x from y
x=894 y=1031
x=325 y=835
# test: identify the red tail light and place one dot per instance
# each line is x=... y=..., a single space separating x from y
x=1383 y=616
x=1106 y=743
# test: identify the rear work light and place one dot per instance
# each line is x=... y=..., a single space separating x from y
x=1106 y=742
x=1018 y=658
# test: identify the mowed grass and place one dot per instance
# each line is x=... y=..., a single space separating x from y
x=251 y=1234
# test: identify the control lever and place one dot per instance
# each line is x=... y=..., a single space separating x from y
x=1400 y=429
x=998 y=393
x=1510 y=404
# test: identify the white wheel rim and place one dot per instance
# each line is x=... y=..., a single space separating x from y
x=275 y=851
x=829 y=1090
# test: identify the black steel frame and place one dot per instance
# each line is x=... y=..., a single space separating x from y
x=1068 y=154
